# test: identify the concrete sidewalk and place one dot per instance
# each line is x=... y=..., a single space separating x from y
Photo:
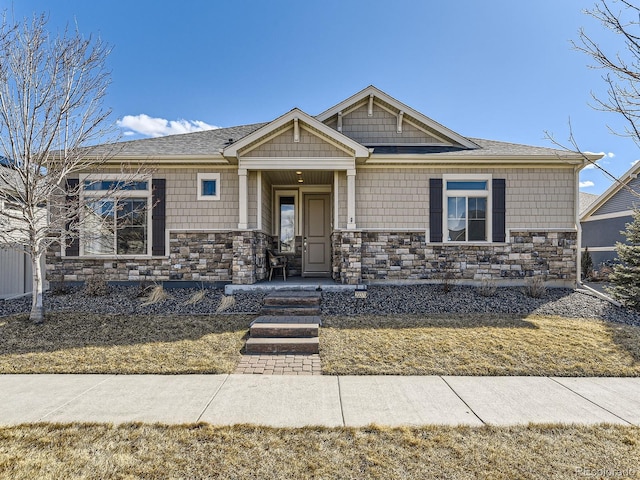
x=290 y=401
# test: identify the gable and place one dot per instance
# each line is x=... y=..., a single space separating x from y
x=298 y=141
x=371 y=117
x=310 y=143
x=622 y=200
x=381 y=128
x=617 y=198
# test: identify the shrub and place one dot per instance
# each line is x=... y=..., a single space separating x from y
x=58 y=287
x=587 y=264
x=535 y=287
x=226 y=303
x=157 y=295
x=488 y=287
x=196 y=297
x=96 y=286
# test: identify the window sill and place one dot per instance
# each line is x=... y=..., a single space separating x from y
x=116 y=257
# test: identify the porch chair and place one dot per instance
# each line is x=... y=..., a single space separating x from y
x=277 y=261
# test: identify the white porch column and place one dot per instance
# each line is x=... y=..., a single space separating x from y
x=351 y=199
x=243 y=200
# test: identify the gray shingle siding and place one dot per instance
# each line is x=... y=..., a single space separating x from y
x=604 y=233
x=622 y=200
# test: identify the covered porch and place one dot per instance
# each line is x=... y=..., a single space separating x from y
x=296 y=189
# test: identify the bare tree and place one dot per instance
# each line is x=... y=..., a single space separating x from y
x=622 y=73
x=622 y=67
x=52 y=90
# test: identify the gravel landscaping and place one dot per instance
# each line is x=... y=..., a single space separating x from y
x=406 y=299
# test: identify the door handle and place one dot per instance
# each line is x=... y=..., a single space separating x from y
x=304 y=244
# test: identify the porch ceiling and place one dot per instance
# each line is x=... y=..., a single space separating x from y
x=289 y=177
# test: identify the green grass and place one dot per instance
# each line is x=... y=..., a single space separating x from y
x=478 y=345
x=99 y=451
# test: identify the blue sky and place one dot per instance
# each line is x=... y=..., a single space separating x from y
x=496 y=69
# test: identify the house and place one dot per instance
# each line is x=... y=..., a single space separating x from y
x=15 y=264
x=604 y=220
x=370 y=190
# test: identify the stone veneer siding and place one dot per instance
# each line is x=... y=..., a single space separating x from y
x=204 y=256
x=364 y=256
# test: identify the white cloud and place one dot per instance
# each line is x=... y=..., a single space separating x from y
x=587 y=184
x=157 y=127
x=602 y=161
x=634 y=162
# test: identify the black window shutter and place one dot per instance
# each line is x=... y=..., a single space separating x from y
x=435 y=209
x=499 y=209
x=72 y=243
x=158 y=216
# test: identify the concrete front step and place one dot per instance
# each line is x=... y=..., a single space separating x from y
x=284 y=330
x=292 y=310
x=282 y=345
x=287 y=298
x=288 y=319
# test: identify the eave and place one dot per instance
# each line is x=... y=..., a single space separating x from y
x=168 y=160
x=448 y=159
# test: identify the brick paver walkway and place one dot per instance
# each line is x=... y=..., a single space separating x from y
x=280 y=364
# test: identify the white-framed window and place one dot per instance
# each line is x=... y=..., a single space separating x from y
x=208 y=186
x=467 y=208
x=286 y=219
x=116 y=218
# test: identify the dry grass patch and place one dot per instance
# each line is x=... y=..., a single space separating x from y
x=478 y=345
x=90 y=343
x=92 y=451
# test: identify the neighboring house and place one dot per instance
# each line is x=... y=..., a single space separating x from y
x=370 y=190
x=603 y=220
x=15 y=265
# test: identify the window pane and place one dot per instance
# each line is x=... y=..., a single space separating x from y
x=287 y=224
x=114 y=185
x=209 y=187
x=132 y=226
x=456 y=218
x=477 y=230
x=98 y=228
x=477 y=207
x=469 y=185
x=477 y=219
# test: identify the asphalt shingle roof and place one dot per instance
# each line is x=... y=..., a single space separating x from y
x=209 y=142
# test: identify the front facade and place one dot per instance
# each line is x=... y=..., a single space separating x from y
x=368 y=191
x=604 y=220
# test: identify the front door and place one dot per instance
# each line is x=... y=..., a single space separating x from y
x=316 y=246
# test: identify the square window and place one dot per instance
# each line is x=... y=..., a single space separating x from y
x=208 y=186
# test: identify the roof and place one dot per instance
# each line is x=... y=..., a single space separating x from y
x=586 y=199
x=210 y=142
x=204 y=143
x=208 y=145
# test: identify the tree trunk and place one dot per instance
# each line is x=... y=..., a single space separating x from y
x=37 y=306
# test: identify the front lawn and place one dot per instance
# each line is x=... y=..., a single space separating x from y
x=92 y=451
x=364 y=345
x=96 y=343
x=478 y=345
